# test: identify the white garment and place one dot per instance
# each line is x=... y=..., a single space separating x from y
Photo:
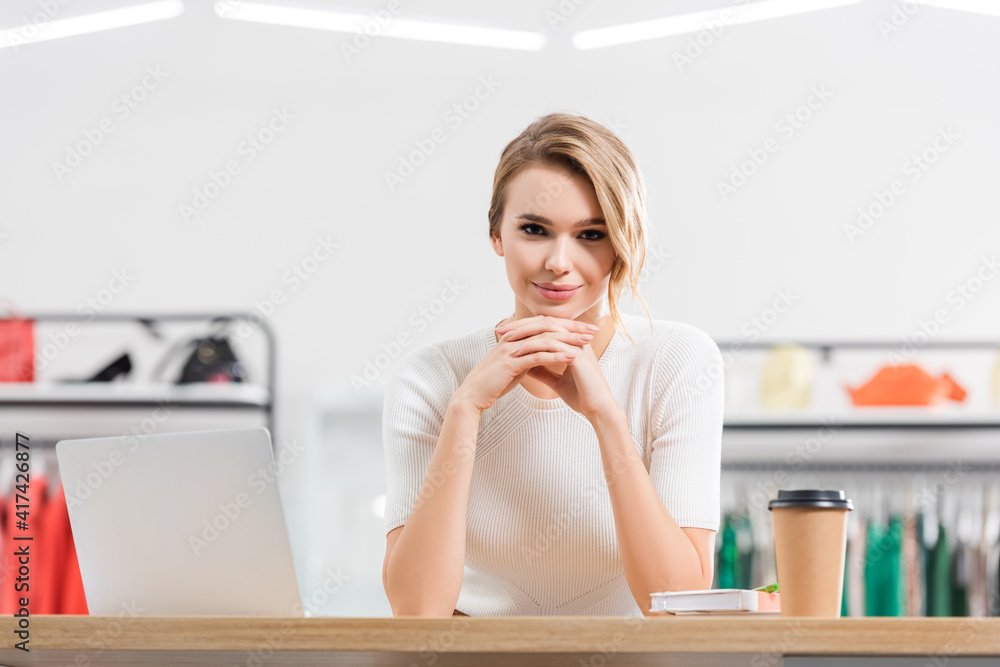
x=540 y=530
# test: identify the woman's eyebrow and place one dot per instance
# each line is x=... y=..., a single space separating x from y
x=533 y=217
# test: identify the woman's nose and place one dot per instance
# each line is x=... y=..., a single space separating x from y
x=558 y=260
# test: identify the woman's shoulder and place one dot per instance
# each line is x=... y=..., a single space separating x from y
x=670 y=345
x=660 y=333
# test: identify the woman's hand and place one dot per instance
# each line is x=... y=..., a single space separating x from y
x=553 y=340
x=582 y=386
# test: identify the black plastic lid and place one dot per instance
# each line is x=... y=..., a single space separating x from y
x=811 y=498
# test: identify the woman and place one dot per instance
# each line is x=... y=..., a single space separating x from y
x=553 y=466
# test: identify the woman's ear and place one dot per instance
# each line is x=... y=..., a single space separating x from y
x=497 y=243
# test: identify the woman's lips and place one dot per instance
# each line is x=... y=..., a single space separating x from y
x=556 y=295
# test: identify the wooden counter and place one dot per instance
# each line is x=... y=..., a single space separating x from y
x=756 y=641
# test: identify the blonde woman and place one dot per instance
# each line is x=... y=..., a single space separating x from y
x=561 y=463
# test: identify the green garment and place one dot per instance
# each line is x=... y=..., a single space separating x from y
x=727 y=554
x=941 y=575
x=883 y=593
x=735 y=555
x=843 y=597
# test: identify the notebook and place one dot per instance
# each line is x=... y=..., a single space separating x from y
x=184 y=523
x=716 y=601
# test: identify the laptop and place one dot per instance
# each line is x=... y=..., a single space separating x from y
x=186 y=523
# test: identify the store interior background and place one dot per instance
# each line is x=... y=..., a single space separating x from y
x=718 y=263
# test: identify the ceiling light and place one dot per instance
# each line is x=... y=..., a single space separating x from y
x=389 y=26
x=988 y=7
x=748 y=12
x=41 y=31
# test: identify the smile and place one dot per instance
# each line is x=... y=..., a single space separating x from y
x=556 y=295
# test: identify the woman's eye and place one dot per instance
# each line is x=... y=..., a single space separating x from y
x=597 y=236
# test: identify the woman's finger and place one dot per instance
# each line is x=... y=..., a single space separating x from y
x=571 y=337
x=535 y=325
x=540 y=344
x=542 y=358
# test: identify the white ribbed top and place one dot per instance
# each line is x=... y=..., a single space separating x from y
x=540 y=536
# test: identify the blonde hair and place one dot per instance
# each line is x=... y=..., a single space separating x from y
x=586 y=147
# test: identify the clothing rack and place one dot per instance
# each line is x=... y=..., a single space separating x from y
x=925 y=486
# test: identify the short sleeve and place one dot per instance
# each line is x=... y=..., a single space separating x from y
x=687 y=396
x=416 y=399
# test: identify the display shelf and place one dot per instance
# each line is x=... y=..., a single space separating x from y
x=839 y=435
x=943 y=416
x=53 y=410
x=208 y=394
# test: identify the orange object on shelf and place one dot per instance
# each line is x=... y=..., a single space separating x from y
x=907 y=384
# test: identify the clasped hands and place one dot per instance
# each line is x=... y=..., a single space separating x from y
x=582 y=385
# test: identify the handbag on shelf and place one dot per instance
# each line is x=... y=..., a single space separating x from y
x=211 y=360
x=17 y=347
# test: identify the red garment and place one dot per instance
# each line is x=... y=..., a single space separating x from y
x=5 y=573
x=38 y=558
x=55 y=585
x=74 y=600
x=40 y=583
x=71 y=598
x=49 y=596
x=906 y=384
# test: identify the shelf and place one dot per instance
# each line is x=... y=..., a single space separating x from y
x=125 y=406
x=943 y=416
x=131 y=394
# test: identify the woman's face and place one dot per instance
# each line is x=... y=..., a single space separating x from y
x=541 y=242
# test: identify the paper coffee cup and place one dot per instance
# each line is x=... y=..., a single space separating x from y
x=810 y=549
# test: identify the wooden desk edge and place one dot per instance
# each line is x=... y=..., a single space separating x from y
x=518 y=634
